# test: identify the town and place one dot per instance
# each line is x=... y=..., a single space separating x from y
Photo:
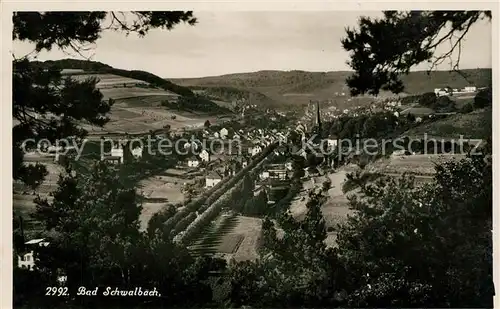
x=271 y=188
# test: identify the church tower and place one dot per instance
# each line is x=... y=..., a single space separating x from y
x=318 y=118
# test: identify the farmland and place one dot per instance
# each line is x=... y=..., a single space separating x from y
x=137 y=106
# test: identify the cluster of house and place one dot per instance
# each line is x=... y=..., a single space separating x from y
x=450 y=91
x=121 y=152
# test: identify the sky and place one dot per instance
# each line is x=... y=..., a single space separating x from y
x=234 y=42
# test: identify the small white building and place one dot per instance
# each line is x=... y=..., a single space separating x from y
x=137 y=152
x=223 y=133
x=255 y=150
x=470 y=89
x=212 y=179
x=331 y=142
x=236 y=136
x=205 y=155
x=216 y=135
x=27 y=260
x=116 y=155
x=193 y=162
x=264 y=175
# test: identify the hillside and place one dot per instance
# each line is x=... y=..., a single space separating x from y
x=298 y=87
x=143 y=101
x=474 y=125
x=116 y=78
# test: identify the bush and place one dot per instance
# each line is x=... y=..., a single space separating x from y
x=467 y=108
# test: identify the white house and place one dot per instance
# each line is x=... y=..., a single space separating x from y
x=137 y=152
x=264 y=175
x=205 y=155
x=212 y=179
x=331 y=142
x=27 y=260
x=255 y=150
x=115 y=156
x=223 y=133
x=396 y=114
x=470 y=89
x=236 y=136
x=216 y=135
x=193 y=162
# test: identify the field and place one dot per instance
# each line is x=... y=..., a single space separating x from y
x=474 y=125
x=23 y=197
x=138 y=109
x=161 y=189
x=413 y=164
x=230 y=236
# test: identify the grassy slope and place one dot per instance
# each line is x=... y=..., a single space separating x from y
x=91 y=68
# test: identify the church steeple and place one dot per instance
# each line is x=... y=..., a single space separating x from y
x=318 y=117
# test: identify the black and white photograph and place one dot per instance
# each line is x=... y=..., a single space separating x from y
x=270 y=158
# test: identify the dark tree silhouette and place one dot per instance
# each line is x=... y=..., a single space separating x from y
x=47 y=106
x=383 y=49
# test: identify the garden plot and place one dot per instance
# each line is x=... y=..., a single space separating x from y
x=159 y=190
x=132 y=92
x=414 y=164
x=249 y=228
x=213 y=239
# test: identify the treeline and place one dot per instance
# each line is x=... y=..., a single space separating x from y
x=374 y=125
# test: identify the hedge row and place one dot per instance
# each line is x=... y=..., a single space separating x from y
x=215 y=192
x=208 y=216
x=184 y=223
x=214 y=210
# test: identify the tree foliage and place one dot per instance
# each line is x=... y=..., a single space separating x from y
x=382 y=49
x=48 y=106
x=411 y=246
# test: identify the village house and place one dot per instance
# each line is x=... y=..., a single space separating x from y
x=470 y=89
x=223 y=133
x=331 y=142
x=274 y=171
x=216 y=135
x=212 y=179
x=193 y=162
x=27 y=259
x=205 y=155
x=116 y=155
x=255 y=150
x=236 y=136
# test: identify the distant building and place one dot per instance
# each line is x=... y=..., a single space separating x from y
x=223 y=133
x=331 y=142
x=116 y=155
x=255 y=150
x=27 y=259
x=276 y=171
x=212 y=179
x=216 y=135
x=137 y=152
x=193 y=162
x=205 y=155
x=470 y=89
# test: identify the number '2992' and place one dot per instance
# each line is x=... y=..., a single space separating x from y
x=56 y=291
